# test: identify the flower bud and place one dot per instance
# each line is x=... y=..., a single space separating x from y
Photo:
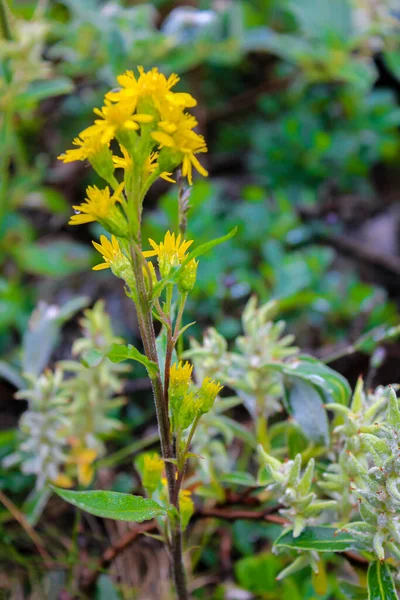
x=187 y=279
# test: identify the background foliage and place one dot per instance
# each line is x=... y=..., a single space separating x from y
x=299 y=104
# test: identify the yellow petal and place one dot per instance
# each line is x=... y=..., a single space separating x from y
x=163 y=138
x=198 y=166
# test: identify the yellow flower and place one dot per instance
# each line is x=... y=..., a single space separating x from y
x=170 y=253
x=110 y=252
x=187 y=280
x=87 y=148
x=63 y=480
x=207 y=393
x=153 y=466
x=176 y=132
x=186 y=507
x=180 y=401
x=151 y=86
x=83 y=458
x=100 y=206
x=123 y=162
x=180 y=375
x=114 y=118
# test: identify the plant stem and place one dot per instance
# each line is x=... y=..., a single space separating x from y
x=4 y=22
x=160 y=394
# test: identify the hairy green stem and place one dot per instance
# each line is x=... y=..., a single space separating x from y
x=160 y=393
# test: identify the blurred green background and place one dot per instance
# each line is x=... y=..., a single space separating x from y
x=299 y=103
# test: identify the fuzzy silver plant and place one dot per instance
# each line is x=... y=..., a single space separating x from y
x=63 y=430
x=43 y=428
x=247 y=368
x=364 y=416
x=293 y=490
x=377 y=487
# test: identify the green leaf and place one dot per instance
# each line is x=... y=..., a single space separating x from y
x=113 y=505
x=239 y=478
x=58 y=258
x=208 y=246
x=305 y=403
x=92 y=358
x=257 y=574
x=10 y=374
x=42 y=335
x=333 y=386
x=321 y=539
x=105 y=589
x=40 y=90
x=120 y=352
x=352 y=591
x=392 y=60
x=380 y=582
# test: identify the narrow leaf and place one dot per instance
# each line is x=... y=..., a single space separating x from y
x=120 y=352
x=203 y=248
x=322 y=539
x=113 y=505
x=380 y=582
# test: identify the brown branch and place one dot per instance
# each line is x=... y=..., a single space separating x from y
x=218 y=512
x=235 y=514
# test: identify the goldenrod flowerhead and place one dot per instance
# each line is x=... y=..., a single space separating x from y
x=170 y=253
x=101 y=206
x=110 y=251
x=116 y=260
x=153 y=466
x=114 y=118
x=187 y=279
x=123 y=162
x=186 y=507
x=83 y=458
x=62 y=480
x=151 y=87
x=176 y=133
x=181 y=375
x=207 y=394
x=87 y=148
x=180 y=378
x=92 y=149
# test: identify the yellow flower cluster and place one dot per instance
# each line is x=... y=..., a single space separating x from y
x=170 y=253
x=148 y=120
x=186 y=404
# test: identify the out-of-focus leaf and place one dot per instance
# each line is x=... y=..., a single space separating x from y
x=10 y=374
x=105 y=589
x=352 y=591
x=258 y=573
x=113 y=505
x=40 y=90
x=42 y=333
x=239 y=478
x=35 y=504
x=333 y=386
x=306 y=406
x=392 y=60
x=321 y=539
x=53 y=259
x=380 y=582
